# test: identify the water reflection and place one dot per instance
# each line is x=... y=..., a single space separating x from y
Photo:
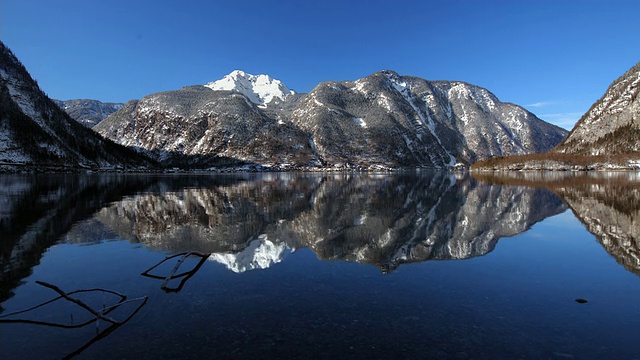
x=382 y=220
x=36 y=210
x=41 y=315
x=252 y=222
x=607 y=203
x=509 y=304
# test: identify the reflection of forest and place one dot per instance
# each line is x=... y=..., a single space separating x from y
x=608 y=203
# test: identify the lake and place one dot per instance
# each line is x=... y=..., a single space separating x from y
x=320 y=266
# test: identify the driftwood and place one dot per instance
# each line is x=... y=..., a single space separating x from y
x=172 y=275
x=98 y=314
x=110 y=328
x=95 y=313
x=67 y=296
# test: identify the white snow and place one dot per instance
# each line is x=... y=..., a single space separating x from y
x=25 y=104
x=360 y=122
x=259 y=89
x=385 y=102
x=409 y=96
x=10 y=152
x=260 y=254
x=360 y=84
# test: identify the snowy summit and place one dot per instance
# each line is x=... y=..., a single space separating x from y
x=259 y=89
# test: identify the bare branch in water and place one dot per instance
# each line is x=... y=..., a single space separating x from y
x=172 y=275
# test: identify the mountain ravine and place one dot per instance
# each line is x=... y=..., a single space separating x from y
x=378 y=122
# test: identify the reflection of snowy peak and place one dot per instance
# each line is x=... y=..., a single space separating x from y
x=260 y=89
x=260 y=254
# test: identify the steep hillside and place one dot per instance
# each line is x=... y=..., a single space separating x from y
x=606 y=137
x=612 y=125
x=36 y=134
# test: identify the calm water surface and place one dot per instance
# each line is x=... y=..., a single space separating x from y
x=321 y=266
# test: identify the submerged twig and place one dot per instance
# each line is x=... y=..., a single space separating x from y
x=172 y=275
x=67 y=297
x=114 y=324
x=110 y=328
x=97 y=314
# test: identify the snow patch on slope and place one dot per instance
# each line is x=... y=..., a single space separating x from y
x=259 y=89
x=360 y=122
x=23 y=101
x=403 y=88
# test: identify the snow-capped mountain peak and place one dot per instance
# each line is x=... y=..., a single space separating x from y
x=259 y=89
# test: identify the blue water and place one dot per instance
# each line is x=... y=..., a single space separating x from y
x=514 y=301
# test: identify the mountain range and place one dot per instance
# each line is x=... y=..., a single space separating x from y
x=381 y=121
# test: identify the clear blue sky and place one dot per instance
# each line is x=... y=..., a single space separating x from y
x=553 y=57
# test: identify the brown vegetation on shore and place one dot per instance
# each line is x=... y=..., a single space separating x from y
x=558 y=161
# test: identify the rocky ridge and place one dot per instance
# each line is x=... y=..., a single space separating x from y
x=88 y=112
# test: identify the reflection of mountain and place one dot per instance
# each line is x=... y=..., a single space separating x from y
x=211 y=217
x=259 y=254
x=608 y=204
x=252 y=221
x=612 y=213
x=36 y=210
x=409 y=219
x=385 y=220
